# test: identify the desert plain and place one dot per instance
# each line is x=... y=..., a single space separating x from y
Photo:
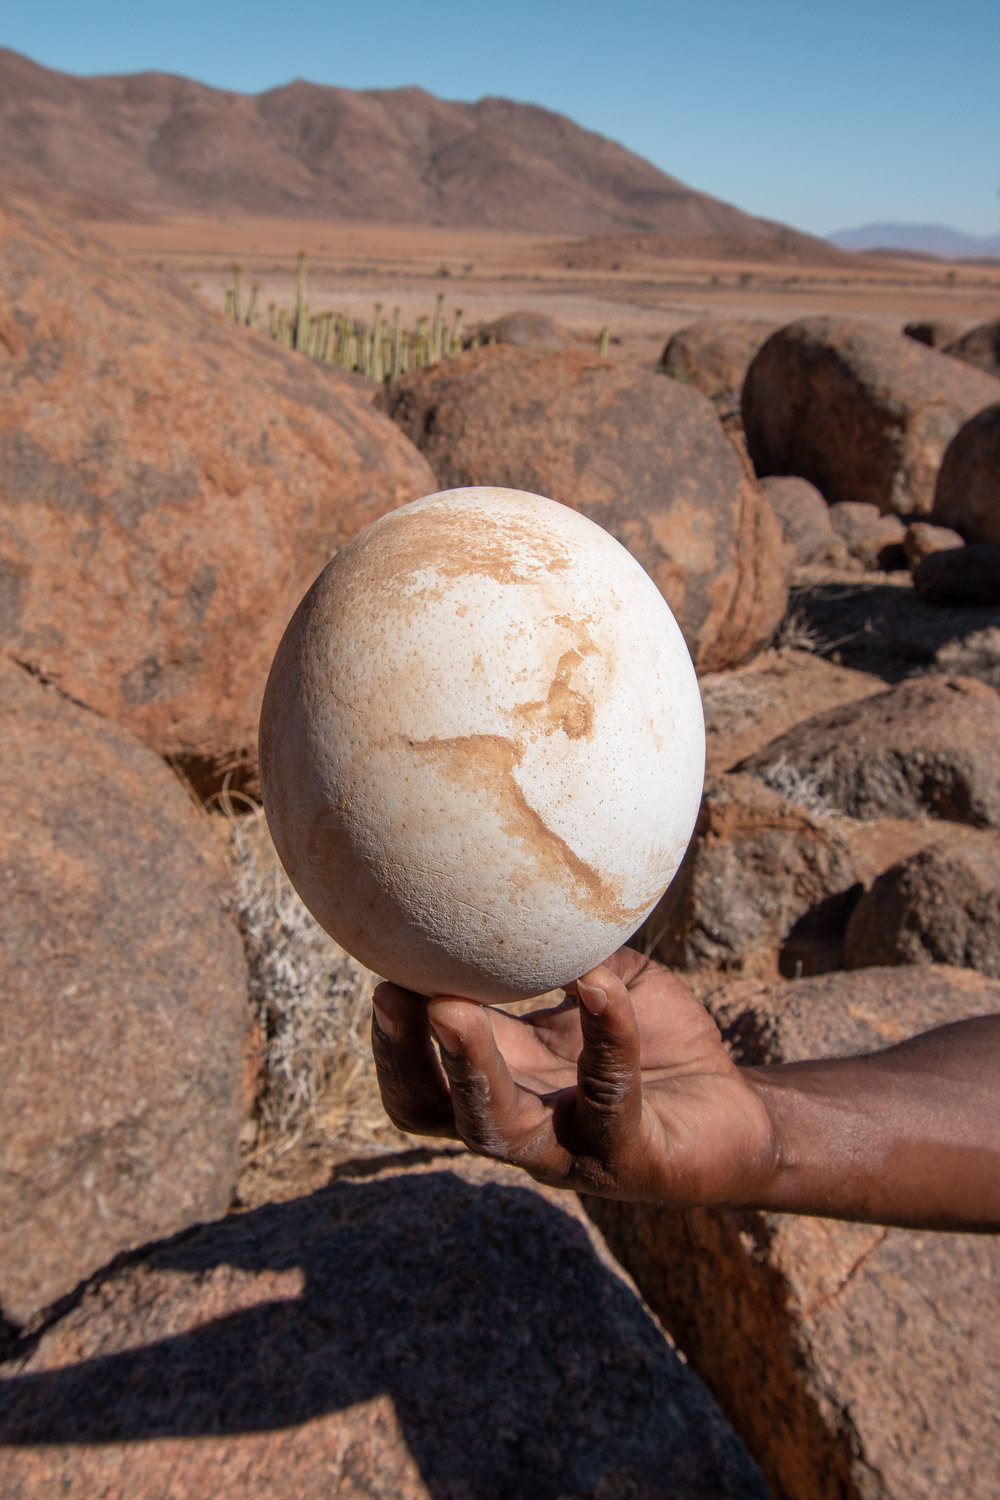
x=642 y=287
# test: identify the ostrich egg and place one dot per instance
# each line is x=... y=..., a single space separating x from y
x=482 y=745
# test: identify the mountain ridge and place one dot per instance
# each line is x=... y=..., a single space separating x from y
x=921 y=239
x=131 y=145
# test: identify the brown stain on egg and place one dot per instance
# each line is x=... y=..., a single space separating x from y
x=563 y=707
x=453 y=544
x=487 y=762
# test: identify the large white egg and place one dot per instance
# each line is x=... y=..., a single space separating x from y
x=482 y=745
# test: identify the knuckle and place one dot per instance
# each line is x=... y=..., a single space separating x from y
x=607 y=1090
x=399 y=1109
x=408 y=1106
x=475 y=1118
x=417 y=1119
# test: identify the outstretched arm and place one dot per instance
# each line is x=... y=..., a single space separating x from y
x=907 y=1136
x=631 y=1094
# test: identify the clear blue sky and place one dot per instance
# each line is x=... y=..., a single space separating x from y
x=824 y=115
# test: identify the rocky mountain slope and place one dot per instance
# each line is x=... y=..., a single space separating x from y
x=150 y=142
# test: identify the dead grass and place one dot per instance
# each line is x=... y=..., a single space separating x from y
x=797 y=632
x=732 y=700
x=805 y=787
x=314 y=1006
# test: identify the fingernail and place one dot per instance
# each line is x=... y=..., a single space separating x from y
x=592 y=997
x=385 y=1023
x=449 y=1039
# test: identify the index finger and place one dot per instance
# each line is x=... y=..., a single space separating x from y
x=413 y=1087
x=494 y=1116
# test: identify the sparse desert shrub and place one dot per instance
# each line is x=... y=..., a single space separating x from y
x=379 y=352
x=730 y=699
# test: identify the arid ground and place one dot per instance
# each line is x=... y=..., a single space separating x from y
x=642 y=287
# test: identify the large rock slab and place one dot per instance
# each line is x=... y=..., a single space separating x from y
x=714 y=354
x=967 y=495
x=124 y=1004
x=927 y=747
x=766 y=886
x=170 y=485
x=804 y=517
x=747 y=708
x=864 y=414
x=644 y=457
x=450 y=1332
x=979 y=346
x=854 y=1361
x=941 y=905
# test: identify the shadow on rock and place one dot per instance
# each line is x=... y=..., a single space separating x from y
x=886 y=629
x=516 y=1360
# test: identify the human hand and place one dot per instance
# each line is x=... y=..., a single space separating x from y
x=627 y=1094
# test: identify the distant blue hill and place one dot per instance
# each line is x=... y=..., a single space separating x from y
x=926 y=239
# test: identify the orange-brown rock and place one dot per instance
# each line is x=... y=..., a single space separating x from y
x=941 y=905
x=644 y=457
x=871 y=538
x=856 y=1362
x=804 y=517
x=714 y=354
x=862 y=413
x=747 y=708
x=922 y=540
x=169 y=486
x=124 y=1006
x=766 y=886
x=527 y=329
x=929 y=747
x=967 y=495
x=451 y=1331
x=980 y=346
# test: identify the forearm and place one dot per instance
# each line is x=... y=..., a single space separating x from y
x=909 y=1136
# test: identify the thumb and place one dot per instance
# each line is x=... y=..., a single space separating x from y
x=609 y=1081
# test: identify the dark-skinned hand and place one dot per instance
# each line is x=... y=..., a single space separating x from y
x=628 y=1093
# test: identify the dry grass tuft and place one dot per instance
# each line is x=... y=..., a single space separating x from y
x=314 y=1005
x=807 y=788
x=797 y=632
x=733 y=700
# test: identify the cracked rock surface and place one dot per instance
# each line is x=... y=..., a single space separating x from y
x=856 y=1362
x=124 y=1000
